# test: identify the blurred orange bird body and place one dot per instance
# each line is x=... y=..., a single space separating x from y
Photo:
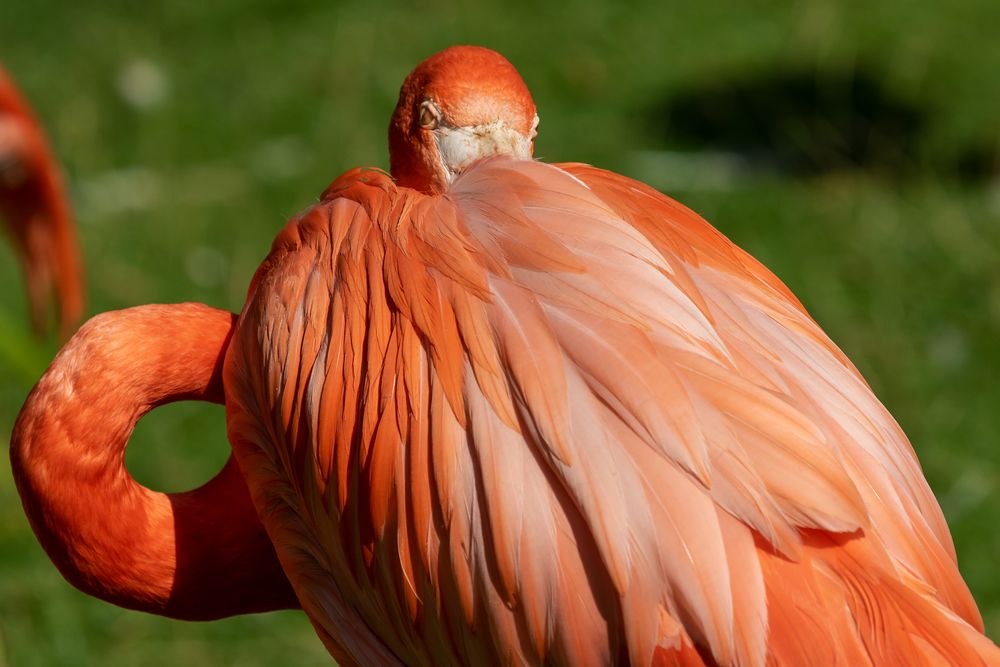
x=35 y=208
x=494 y=411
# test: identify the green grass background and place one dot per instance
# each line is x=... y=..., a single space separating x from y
x=264 y=102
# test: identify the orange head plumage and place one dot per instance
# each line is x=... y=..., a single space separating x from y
x=460 y=105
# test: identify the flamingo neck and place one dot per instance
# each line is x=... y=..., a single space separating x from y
x=195 y=555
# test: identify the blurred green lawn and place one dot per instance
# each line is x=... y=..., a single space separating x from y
x=190 y=130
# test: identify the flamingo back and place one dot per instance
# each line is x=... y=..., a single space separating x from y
x=554 y=417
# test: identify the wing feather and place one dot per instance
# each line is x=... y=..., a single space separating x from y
x=555 y=418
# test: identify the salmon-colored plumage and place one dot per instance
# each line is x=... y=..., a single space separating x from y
x=515 y=413
x=35 y=208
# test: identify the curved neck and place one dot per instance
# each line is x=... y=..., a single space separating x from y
x=196 y=555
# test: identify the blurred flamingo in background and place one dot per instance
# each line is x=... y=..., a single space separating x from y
x=35 y=208
x=493 y=411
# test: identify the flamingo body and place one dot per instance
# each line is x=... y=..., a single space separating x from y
x=556 y=417
x=35 y=208
x=493 y=411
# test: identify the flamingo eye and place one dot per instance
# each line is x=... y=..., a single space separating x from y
x=429 y=115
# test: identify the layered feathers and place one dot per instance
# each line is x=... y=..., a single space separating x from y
x=553 y=417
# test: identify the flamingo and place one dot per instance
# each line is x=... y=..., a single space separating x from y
x=35 y=207
x=489 y=410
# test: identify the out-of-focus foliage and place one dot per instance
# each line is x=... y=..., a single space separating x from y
x=851 y=146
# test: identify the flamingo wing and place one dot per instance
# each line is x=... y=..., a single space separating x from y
x=35 y=208
x=553 y=416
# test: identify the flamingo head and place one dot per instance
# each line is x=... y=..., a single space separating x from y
x=457 y=107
